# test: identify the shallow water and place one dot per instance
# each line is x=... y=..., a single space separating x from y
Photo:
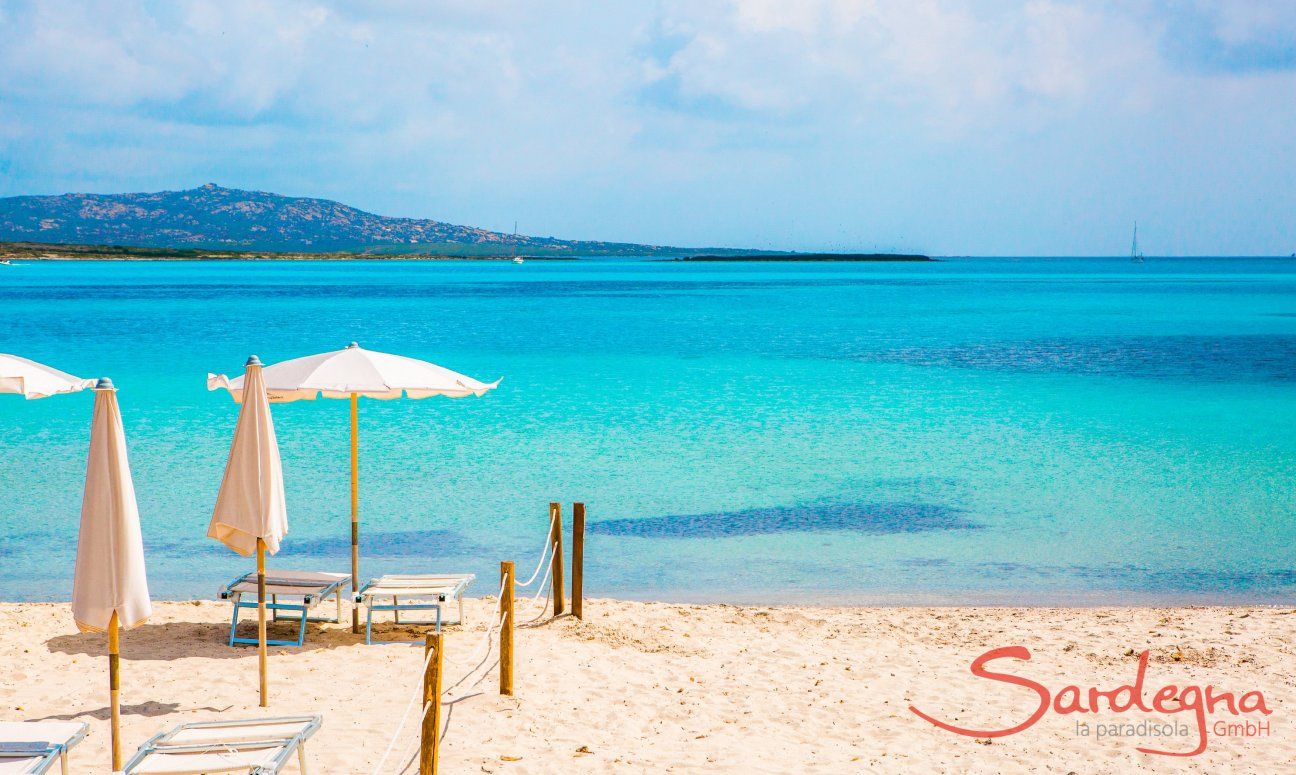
x=975 y=430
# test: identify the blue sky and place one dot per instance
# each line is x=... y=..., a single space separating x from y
x=944 y=126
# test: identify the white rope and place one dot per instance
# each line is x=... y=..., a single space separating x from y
x=377 y=770
x=553 y=518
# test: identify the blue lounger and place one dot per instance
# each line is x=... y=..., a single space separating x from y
x=305 y=590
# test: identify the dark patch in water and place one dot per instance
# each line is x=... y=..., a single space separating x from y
x=1250 y=357
x=397 y=543
x=854 y=517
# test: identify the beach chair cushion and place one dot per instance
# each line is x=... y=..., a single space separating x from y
x=25 y=746
x=291 y=582
x=223 y=747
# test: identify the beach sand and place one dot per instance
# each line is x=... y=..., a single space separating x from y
x=641 y=687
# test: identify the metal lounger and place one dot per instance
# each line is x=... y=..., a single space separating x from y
x=311 y=587
x=32 y=747
x=413 y=588
x=253 y=746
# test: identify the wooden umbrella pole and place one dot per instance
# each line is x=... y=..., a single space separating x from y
x=114 y=689
x=261 y=622
x=355 y=509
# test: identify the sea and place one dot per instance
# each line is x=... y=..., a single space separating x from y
x=1073 y=431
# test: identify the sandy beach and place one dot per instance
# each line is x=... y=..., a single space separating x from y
x=639 y=687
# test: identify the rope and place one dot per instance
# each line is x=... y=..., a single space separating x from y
x=553 y=518
x=377 y=770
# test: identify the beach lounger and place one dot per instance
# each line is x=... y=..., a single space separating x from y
x=32 y=747
x=420 y=593
x=250 y=747
x=306 y=589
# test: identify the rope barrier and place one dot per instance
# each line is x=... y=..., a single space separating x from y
x=483 y=654
x=377 y=770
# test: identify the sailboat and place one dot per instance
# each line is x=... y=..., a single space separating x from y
x=1135 y=254
x=516 y=258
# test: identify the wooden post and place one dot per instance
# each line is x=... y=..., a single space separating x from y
x=507 y=579
x=578 y=558
x=355 y=509
x=429 y=737
x=114 y=688
x=555 y=538
x=261 y=622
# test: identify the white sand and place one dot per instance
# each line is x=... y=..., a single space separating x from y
x=678 y=688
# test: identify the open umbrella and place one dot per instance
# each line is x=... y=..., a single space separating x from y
x=251 y=514
x=350 y=373
x=110 y=590
x=36 y=380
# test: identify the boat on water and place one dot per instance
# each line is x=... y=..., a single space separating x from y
x=1136 y=255
x=5 y=262
x=518 y=260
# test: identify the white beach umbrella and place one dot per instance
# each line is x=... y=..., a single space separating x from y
x=251 y=515
x=110 y=589
x=36 y=380
x=351 y=373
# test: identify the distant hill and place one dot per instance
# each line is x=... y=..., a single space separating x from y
x=215 y=218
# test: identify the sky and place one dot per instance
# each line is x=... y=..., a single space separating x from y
x=950 y=127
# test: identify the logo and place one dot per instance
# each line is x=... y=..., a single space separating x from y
x=1169 y=700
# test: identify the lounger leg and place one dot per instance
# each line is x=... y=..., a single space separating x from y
x=461 y=619
x=301 y=758
x=438 y=610
x=338 y=597
x=301 y=630
x=274 y=612
x=369 y=625
x=396 y=602
x=234 y=621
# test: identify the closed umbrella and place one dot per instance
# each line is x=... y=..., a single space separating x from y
x=351 y=373
x=110 y=590
x=251 y=515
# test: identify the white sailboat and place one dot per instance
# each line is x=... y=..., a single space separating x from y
x=1135 y=254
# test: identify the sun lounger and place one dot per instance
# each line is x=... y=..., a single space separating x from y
x=251 y=747
x=306 y=589
x=32 y=747
x=419 y=593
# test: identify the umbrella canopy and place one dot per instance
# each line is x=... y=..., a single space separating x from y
x=110 y=554
x=110 y=589
x=36 y=380
x=251 y=502
x=356 y=371
x=351 y=373
x=251 y=515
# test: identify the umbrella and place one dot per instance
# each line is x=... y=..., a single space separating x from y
x=350 y=373
x=251 y=515
x=36 y=380
x=110 y=590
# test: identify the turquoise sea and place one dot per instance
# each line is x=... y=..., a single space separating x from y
x=973 y=430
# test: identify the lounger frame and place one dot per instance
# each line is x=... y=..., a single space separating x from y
x=318 y=593
x=372 y=589
x=294 y=744
x=53 y=752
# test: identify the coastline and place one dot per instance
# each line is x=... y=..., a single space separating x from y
x=664 y=687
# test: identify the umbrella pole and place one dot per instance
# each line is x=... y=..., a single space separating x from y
x=114 y=689
x=355 y=508
x=261 y=622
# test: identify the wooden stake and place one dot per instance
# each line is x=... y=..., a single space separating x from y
x=555 y=537
x=261 y=623
x=355 y=509
x=507 y=580
x=429 y=738
x=578 y=557
x=114 y=689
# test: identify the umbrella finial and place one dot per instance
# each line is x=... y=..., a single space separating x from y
x=104 y=383
x=353 y=346
x=253 y=361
